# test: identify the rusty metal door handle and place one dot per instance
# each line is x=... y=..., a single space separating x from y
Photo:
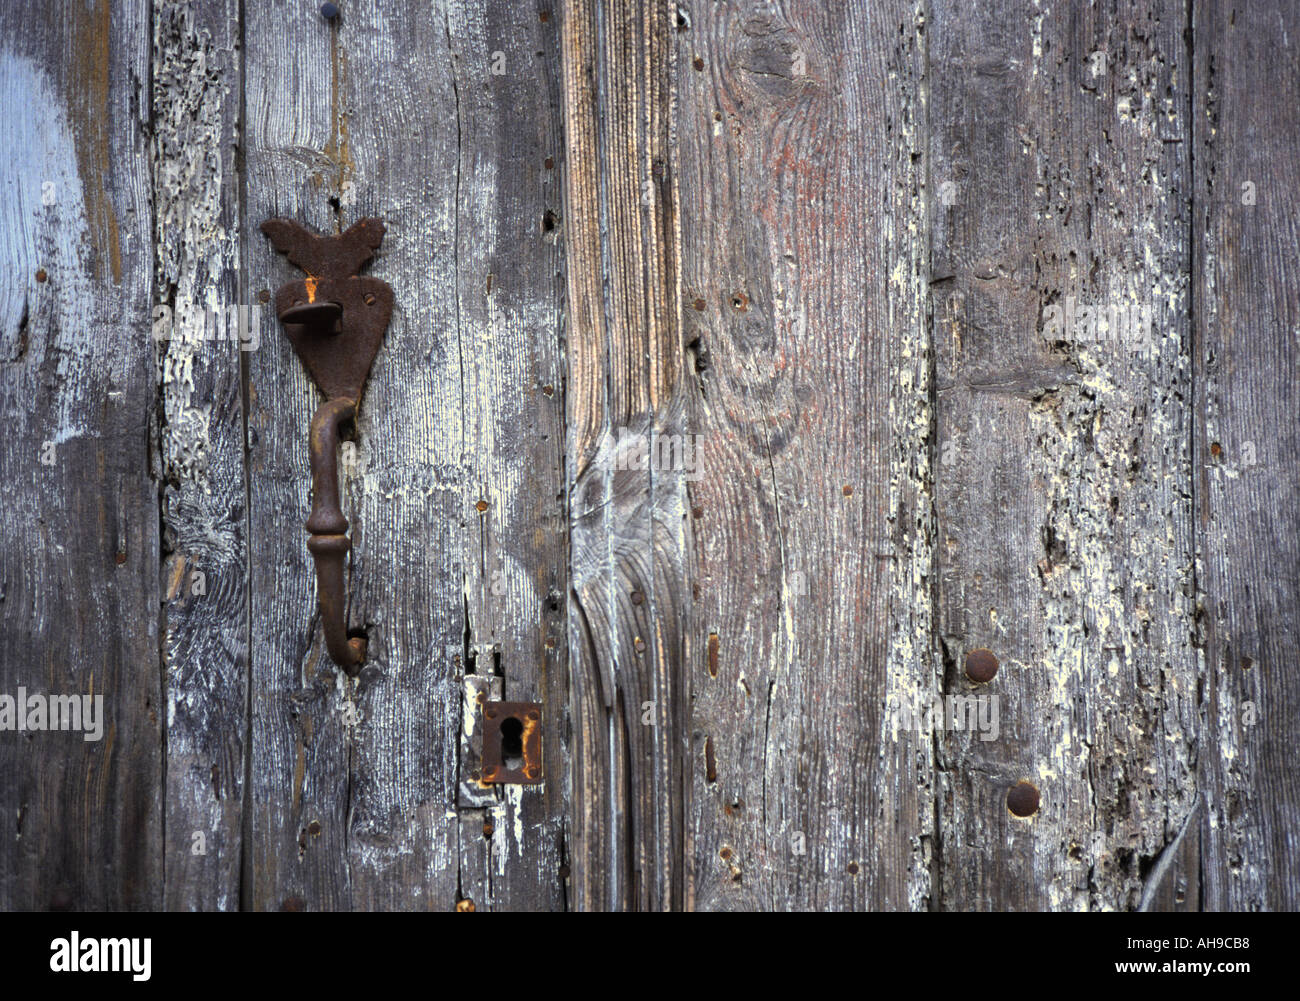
x=335 y=319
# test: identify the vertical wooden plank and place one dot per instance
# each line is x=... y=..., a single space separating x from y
x=304 y=712
x=352 y=118
x=1247 y=482
x=400 y=141
x=79 y=563
x=506 y=328
x=198 y=226
x=1060 y=182
x=625 y=366
x=802 y=134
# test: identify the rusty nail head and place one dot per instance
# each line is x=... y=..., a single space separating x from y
x=1022 y=799
x=981 y=665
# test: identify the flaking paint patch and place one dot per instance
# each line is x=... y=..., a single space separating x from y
x=912 y=677
x=195 y=253
x=507 y=822
x=50 y=237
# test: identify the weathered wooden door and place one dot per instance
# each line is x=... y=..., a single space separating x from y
x=762 y=375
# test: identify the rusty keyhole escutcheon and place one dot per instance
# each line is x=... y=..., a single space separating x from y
x=335 y=319
x=512 y=743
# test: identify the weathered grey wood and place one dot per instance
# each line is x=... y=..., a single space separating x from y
x=304 y=714
x=197 y=240
x=1063 y=472
x=372 y=763
x=1247 y=454
x=506 y=329
x=79 y=562
x=399 y=142
x=815 y=245
x=802 y=134
x=625 y=377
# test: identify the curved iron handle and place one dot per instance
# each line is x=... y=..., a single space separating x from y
x=335 y=319
x=329 y=544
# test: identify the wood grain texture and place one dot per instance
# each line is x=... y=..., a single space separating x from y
x=305 y=716
x=197 y=240
x=1247 y=449
x=738 y=386
x=79 y=562
x=357 y=780
x=626 y=515
x=802 y=131
x=508 y=291
x=1063 y=480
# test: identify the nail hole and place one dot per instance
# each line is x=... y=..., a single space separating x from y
x=1022 y=799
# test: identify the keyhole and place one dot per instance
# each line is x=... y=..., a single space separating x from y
x=512 y=743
